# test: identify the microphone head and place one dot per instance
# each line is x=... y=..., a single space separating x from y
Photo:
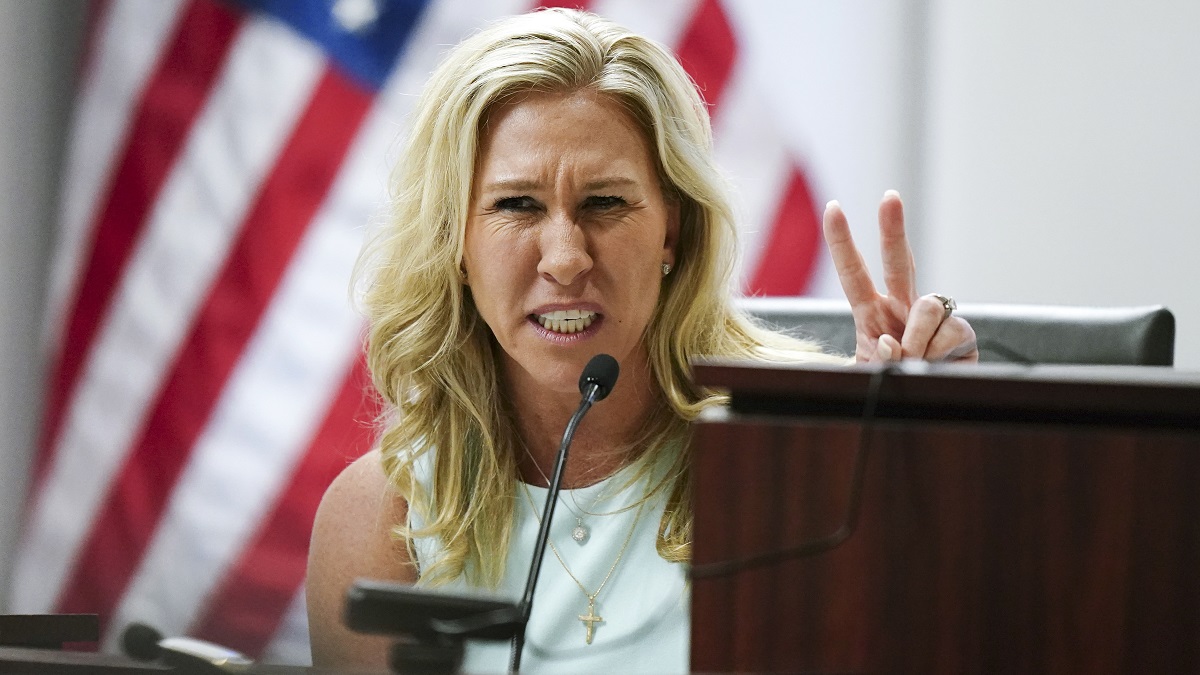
x=601 y=371
x=140 y=642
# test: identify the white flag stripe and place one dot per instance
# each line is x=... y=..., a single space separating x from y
x=290 y=644
x=663 y=21
x=127 y=47
x=750 y=149
x=277 y=395
x=267 y=79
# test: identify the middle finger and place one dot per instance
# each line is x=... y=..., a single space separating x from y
x=899 y=272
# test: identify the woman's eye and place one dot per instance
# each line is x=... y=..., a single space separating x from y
x=604 y=202
x=515 y=204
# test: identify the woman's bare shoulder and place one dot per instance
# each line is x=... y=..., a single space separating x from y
x=360 y=489
x=352 y=539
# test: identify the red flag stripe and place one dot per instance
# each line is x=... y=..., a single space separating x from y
x=567 y=4
x=708 y=50
x=130 y=40
x=170 y=103
x=790 y=253
x=244 y=611
x=245 y=286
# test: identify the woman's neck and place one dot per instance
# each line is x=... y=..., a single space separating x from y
x=603 y=441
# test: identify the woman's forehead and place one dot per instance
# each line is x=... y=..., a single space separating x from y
x=584 y=129
x=542 y=111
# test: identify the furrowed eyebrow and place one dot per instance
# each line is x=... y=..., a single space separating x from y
x=512 y=185
x=525 y=185
x=605 y=183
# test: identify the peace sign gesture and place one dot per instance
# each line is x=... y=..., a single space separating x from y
x=900 y=324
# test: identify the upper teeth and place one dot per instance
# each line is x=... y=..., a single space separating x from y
x=567 y=320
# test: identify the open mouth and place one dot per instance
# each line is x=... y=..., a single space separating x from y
x=566 y=321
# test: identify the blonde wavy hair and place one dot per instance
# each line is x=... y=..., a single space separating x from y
x=433 y=359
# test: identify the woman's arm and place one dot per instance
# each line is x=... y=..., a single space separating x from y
x=351 y=540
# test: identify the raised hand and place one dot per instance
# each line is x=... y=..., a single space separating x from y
x=900 y=324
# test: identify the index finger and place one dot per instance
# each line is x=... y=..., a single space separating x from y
x=851 y=269
x=899 y=270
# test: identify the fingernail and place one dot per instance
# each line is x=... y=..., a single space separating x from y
x=831 y=204
x=891 y=193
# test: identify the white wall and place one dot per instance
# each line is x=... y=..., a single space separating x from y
x=38 y=41
x=1063 y=155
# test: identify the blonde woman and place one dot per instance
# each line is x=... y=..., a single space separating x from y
x=557 y=199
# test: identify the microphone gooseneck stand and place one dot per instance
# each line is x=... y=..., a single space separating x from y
x=597 y=380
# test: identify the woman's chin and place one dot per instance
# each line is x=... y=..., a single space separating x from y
x=555 y=377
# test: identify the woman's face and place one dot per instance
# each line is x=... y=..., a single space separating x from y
x=567 y=232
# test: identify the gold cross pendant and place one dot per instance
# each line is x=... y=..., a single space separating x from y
x=591 y=619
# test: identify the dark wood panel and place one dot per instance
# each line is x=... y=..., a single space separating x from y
x=979 y=549
x=1129 y=396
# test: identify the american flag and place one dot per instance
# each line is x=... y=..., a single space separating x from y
x=205 y=380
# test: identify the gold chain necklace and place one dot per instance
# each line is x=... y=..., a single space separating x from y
x=591 y=618
x=581 y=532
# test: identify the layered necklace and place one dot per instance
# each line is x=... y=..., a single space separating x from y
x=581 y=532
x=591 y=618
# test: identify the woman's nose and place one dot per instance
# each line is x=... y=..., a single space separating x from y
x=565 y=257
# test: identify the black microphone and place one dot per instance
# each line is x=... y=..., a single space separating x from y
x=140 y=642
x=598 y=378
x=184 y=654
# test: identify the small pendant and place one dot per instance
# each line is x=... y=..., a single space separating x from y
x=579 y=533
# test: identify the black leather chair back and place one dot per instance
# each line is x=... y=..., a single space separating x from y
x=1006 y=333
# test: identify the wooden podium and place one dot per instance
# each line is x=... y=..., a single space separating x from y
x=1009 y=519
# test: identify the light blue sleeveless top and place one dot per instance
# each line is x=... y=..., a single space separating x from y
x=644 y=605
